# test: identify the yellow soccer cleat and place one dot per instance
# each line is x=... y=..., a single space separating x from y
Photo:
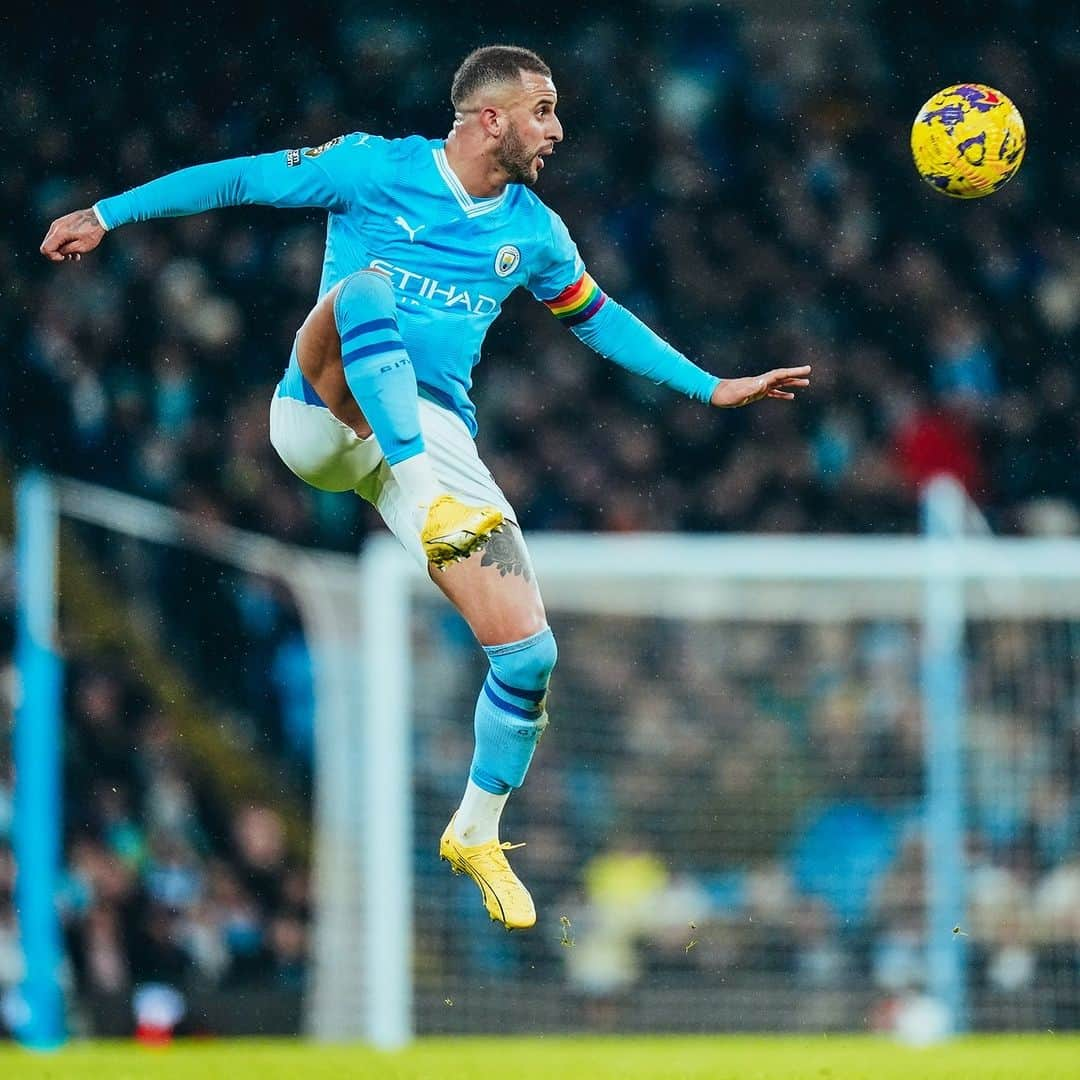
x=454 y=531
x=506 y=899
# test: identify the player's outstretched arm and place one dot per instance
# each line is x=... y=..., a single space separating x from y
x=614 y=332
x=288 y=178
x=731 y=393
x=72 y=236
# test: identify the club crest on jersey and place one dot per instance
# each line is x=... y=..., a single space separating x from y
x=507 y=260
x=315 y=151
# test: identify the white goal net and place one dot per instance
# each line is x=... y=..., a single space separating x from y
x=794 y=783
x=790 y=783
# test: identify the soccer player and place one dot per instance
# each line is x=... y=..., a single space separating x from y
x=426 y=239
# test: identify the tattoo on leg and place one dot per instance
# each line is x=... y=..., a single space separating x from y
x=506 y=552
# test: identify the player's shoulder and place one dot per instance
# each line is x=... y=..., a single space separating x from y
x=363 y=158
x=398 y=149
x=547 y=227
x=527 y=204
x=527 y=201
x=367 y=143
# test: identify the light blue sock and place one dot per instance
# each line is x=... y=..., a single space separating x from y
x=377 y=368
x=510 y=712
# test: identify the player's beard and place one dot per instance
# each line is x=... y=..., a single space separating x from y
x=515 y=158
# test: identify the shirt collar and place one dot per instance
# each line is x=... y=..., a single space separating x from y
x=472 y=207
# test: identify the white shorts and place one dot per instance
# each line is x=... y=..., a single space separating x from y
x=329 y=455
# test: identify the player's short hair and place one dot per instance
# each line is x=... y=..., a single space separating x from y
x=493 y=64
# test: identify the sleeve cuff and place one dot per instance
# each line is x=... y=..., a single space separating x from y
x=101 y=220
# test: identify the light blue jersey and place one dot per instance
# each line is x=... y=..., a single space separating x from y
x=396 y=205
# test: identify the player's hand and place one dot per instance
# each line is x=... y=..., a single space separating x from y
x=732 y=393
x=72 y=236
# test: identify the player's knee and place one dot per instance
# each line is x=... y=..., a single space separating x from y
x=311 y=445
x=526 y=665
x=366 y=294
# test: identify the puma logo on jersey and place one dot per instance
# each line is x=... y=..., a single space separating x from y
x=399 y=220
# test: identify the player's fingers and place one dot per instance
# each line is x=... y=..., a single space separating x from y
x=50 y=245
x=781 y=395
x=63 y=248
x=57 y=246
x=780 y=374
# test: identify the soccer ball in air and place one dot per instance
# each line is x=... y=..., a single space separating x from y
x=968 y=140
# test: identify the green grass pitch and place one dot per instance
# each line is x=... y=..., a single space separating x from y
x=997 y=1057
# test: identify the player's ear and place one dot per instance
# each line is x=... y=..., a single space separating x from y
x=491 y=120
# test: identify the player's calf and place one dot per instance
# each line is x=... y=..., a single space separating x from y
x=511 y=712
x=511 y=716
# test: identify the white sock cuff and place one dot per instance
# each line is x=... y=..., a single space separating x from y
x=477 y=819
x=417 y=480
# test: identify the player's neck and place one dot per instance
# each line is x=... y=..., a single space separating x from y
x=479 y=175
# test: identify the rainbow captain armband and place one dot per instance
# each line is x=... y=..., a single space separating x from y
x=577 y=302
x=612 y=331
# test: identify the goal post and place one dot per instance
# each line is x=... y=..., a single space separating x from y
x=945 y=509
x=37 y=826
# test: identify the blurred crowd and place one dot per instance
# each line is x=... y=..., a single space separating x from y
x=741 y=182
x=164 y=883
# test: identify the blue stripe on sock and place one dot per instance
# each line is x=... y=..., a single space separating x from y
x=528 y=695
x=367 y=328
x=525 y=714
x=372 y=350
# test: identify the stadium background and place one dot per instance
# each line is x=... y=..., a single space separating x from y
x=738 y=177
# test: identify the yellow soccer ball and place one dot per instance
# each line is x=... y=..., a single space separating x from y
x=968 y=140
